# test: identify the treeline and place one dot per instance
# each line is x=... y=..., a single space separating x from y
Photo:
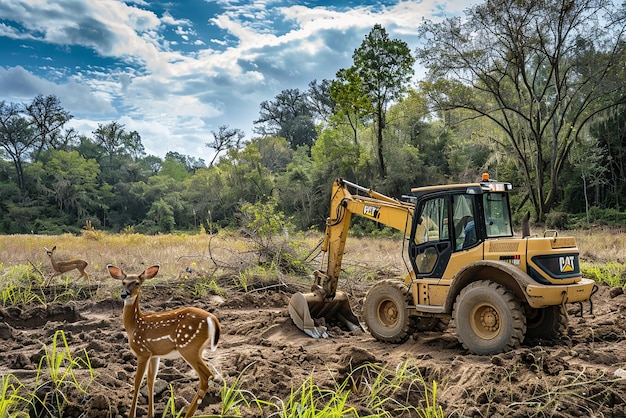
x=532 y=110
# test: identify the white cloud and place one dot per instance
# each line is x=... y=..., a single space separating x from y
x=174 y=97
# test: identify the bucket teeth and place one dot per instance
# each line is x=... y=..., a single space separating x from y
x=304 y=307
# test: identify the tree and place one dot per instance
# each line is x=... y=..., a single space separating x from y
x=117 y=142
x=352 y=104
x=320 y=100
x=589 y=159
x=174 y=167
x=47 y=117
x=539 y=70
x=275 y=153
x=288 y=116
x=384 y=67
x=611 y=134
x=70 y=181
x=16 y=137
x=225 y=139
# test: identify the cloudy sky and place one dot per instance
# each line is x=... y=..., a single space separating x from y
x=176 y=70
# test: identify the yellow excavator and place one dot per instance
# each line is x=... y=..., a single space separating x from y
x=466 y=269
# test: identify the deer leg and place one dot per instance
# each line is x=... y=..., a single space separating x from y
x=84 y=274
x=204 y=374
x=51 y=277
x=142 y=362
x=153 y=369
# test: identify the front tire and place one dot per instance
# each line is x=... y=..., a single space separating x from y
x=386 y=311
x=488 y=318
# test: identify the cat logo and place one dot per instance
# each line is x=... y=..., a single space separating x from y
x=372 y=211
x=566 y=264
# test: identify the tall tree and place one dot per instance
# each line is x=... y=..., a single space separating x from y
x=352 y=103
x=540 y=70
x=320 y=100
x=611 y=132
x=116 y=142
x=385 y=67
x=17 y=137
x=288 y=116
x=47 y=117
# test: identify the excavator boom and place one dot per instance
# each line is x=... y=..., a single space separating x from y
x=324 y=301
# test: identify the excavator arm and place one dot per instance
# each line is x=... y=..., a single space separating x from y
x=324 y=300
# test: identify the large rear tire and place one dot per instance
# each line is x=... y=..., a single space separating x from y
x=546 y=323
x=386 y=311
x=488 y=318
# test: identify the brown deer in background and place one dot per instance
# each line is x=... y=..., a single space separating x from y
x=61 y=267
x=184 y=332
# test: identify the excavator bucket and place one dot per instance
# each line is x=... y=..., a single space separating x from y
x=304 y=308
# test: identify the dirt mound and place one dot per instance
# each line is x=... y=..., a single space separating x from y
x=579 y=375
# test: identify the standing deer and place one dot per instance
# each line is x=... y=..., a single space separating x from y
x=61 y=267
x=183 y=332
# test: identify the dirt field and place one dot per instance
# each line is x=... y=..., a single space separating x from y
x=260 y=349
x=581 y=375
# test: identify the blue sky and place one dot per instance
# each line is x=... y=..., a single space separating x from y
x=176 y=70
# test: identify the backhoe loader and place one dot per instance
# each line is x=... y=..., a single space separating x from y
x=466 y=270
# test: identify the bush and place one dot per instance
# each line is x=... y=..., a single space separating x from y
x=556 y=220
x=611 y=217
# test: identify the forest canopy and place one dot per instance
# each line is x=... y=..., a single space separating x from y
x=530 y=92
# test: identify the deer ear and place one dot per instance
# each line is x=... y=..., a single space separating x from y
x=150 y=272
x=116 y=272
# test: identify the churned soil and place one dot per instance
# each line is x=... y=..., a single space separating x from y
x=582 y=374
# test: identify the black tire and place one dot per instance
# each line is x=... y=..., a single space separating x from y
x=546 y=323
x=488 y=318
x=386 y=311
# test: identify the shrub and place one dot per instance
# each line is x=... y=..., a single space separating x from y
x=556 y=220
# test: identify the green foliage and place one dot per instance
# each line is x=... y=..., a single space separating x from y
x=18 y=286
x=311 y=401
x=265 y=219
x=10 y=399
x=175 y=169
x=288 y=116
x=13 y=295
x=59 y=365
x=372 y=128
x=203 y=287
x=170 y=406
x=57 y=377
x=512 y=75
x=233 y=397
x=612 y=274
x=383 y=67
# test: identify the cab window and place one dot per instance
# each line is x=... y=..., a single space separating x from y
x=433 y=225
x=496 y=206
x=464 y=224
